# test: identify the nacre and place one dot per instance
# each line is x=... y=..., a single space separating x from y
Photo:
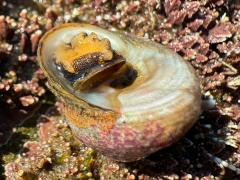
x=124 y=96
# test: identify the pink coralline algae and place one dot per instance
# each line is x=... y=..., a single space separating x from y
x=205 y=33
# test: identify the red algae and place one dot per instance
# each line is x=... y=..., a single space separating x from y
x=56 y=150
x=206 y=33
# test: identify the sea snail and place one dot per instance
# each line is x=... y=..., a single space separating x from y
x=124 y=96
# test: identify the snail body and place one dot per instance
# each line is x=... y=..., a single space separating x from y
x=126 y=97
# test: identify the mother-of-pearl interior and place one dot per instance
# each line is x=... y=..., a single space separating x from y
x=164 y=80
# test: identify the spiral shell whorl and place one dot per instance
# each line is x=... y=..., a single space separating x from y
x=130 y=123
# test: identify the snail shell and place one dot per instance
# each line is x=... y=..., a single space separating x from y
x=155 y=109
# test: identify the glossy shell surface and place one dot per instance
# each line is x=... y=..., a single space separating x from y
x=129 y=123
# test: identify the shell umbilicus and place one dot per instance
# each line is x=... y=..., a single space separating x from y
x=124 y=96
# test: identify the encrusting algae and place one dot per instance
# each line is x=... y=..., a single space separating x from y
x=84 y=118
x=198 y=30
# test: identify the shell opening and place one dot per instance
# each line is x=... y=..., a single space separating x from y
x=88 y=61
